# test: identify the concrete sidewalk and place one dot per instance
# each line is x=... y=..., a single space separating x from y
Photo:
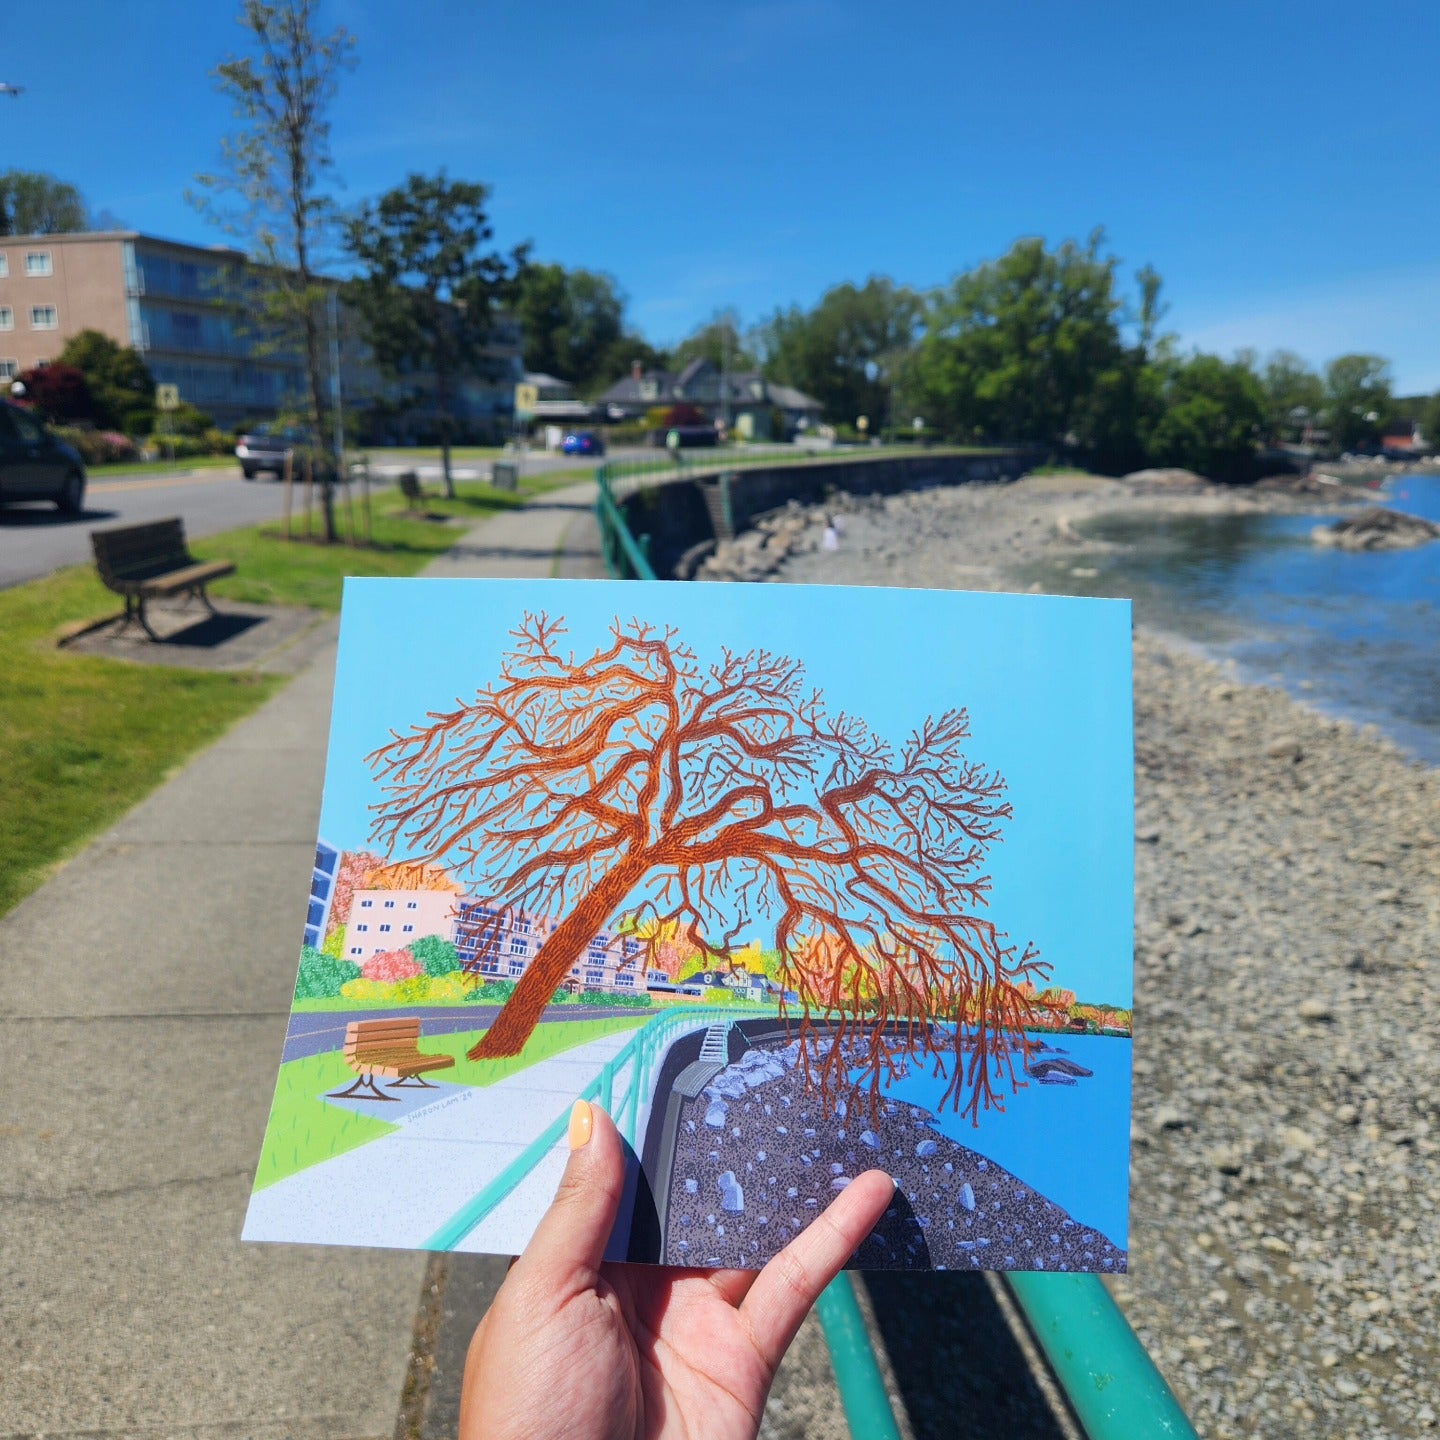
x=143 y=997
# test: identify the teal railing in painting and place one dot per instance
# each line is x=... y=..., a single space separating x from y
x=642 y=1054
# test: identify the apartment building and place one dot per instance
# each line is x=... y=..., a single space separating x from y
x=184 y=308
x=499 y=942
x=391 y=919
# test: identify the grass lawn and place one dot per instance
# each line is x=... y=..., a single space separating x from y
x=304 y=1129
x=432 y=452
x=99 y=473
x=86 y=738
x=274 y=571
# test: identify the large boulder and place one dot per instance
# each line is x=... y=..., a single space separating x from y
x=1376 y=528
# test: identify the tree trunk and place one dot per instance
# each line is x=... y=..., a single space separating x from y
x=317 y=420
x=442 y=399
x=547 y=972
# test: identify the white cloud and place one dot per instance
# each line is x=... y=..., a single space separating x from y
x=1394 y=313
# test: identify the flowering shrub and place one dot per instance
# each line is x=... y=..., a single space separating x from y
x=417 y=990
x=391 y=965
x=322 y=976
x=99 y=447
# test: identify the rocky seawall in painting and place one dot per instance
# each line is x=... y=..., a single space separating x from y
x=756 y=1159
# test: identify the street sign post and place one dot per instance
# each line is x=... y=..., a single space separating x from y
x=167 y=398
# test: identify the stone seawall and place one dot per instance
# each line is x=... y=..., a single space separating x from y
x=679 y=519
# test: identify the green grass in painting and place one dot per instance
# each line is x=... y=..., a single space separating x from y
x=305 y=1129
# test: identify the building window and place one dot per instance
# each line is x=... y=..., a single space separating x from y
x=519 y=946
x=625 y=979
x=9 y=369
x=522 y=927
x=389 y=904
x=357 y=949
x=594 y=977
x=490 y=966
x=632 y=947
x=7 y=318
x=412 y=904
x=4 y=264
x=366 y=904
x=406 y=929
x=37 y=262
x=517 y=967
x=43 y=317
x=384 y=929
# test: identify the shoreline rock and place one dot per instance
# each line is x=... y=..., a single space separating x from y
x=1377 y=529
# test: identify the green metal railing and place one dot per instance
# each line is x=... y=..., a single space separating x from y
x=1107 y=1375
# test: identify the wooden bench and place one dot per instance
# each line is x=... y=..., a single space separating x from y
x=141 y=562
x=411 y=489
x=390 y=1049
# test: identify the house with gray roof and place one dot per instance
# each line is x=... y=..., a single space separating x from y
x=747 y=399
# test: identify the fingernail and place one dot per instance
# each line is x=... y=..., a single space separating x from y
x=582 y=1122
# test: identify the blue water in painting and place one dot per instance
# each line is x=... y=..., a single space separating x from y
x=1069 y=1142
x=1357 y=635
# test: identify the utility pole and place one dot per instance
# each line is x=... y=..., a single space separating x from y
x=335 y=382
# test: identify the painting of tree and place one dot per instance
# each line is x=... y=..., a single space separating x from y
x=702 y=797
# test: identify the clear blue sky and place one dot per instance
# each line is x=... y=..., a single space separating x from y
x=1275 y=161
x=1046 y=681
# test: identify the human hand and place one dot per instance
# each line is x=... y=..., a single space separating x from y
x=577 y=1347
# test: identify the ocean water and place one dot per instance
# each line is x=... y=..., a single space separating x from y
x=1356 y=635
x=1069 y=1142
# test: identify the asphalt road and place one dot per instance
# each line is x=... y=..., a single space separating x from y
x=36 y=539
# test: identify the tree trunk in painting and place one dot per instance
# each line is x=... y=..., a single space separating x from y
x=525 y=1008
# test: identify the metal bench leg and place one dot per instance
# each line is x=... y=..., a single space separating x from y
x=418 y=1081
x=144 y=623
x=205 y=600
x=364 y=1088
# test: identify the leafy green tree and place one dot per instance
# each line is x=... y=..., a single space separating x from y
x=321 y=975
x=849 y=351
x=1211 y=412
x=1430 y=421
x=119 y=379
x=573 y=321
x=1012 y=350
x=1294 y=395
x=719 y=341
x=1358 y=399
x=276 y=163
x=439 y=957
x=33 y=203
x=428 y=292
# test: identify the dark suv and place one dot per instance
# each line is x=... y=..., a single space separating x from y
x=35 y=465
x=267 y=447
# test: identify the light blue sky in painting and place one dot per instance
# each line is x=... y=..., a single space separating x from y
x=1046 y=681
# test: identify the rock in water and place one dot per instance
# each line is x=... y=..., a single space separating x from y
x=926 y=1148
x=1376 y=529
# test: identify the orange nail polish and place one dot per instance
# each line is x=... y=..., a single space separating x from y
x=582 y=1122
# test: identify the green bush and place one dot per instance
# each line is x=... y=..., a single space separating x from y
x=611 y=999
x=189 y=447
x=492 y=992
x=322 y=976
x=437 y=956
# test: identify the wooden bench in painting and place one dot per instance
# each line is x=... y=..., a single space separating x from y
x=143 y=562
x=391 y=1050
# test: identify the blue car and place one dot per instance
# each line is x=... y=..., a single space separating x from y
x=582 y=442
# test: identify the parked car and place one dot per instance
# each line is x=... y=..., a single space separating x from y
x=36 y=465
x=267 y=447
x=582 y=442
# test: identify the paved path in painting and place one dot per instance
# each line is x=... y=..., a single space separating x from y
x=443 y=1155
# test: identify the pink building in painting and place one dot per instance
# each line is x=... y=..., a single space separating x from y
x=391 y=919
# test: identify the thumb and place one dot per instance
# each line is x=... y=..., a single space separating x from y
x=565 y=1252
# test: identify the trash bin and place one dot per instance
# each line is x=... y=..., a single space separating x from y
x=505 y=475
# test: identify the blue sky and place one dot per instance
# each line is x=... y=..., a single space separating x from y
x=1046 y=681
x=1275 y=161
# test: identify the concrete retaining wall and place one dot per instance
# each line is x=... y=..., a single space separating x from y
x=675 y=516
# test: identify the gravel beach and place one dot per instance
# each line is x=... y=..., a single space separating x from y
x=1284 y=1266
